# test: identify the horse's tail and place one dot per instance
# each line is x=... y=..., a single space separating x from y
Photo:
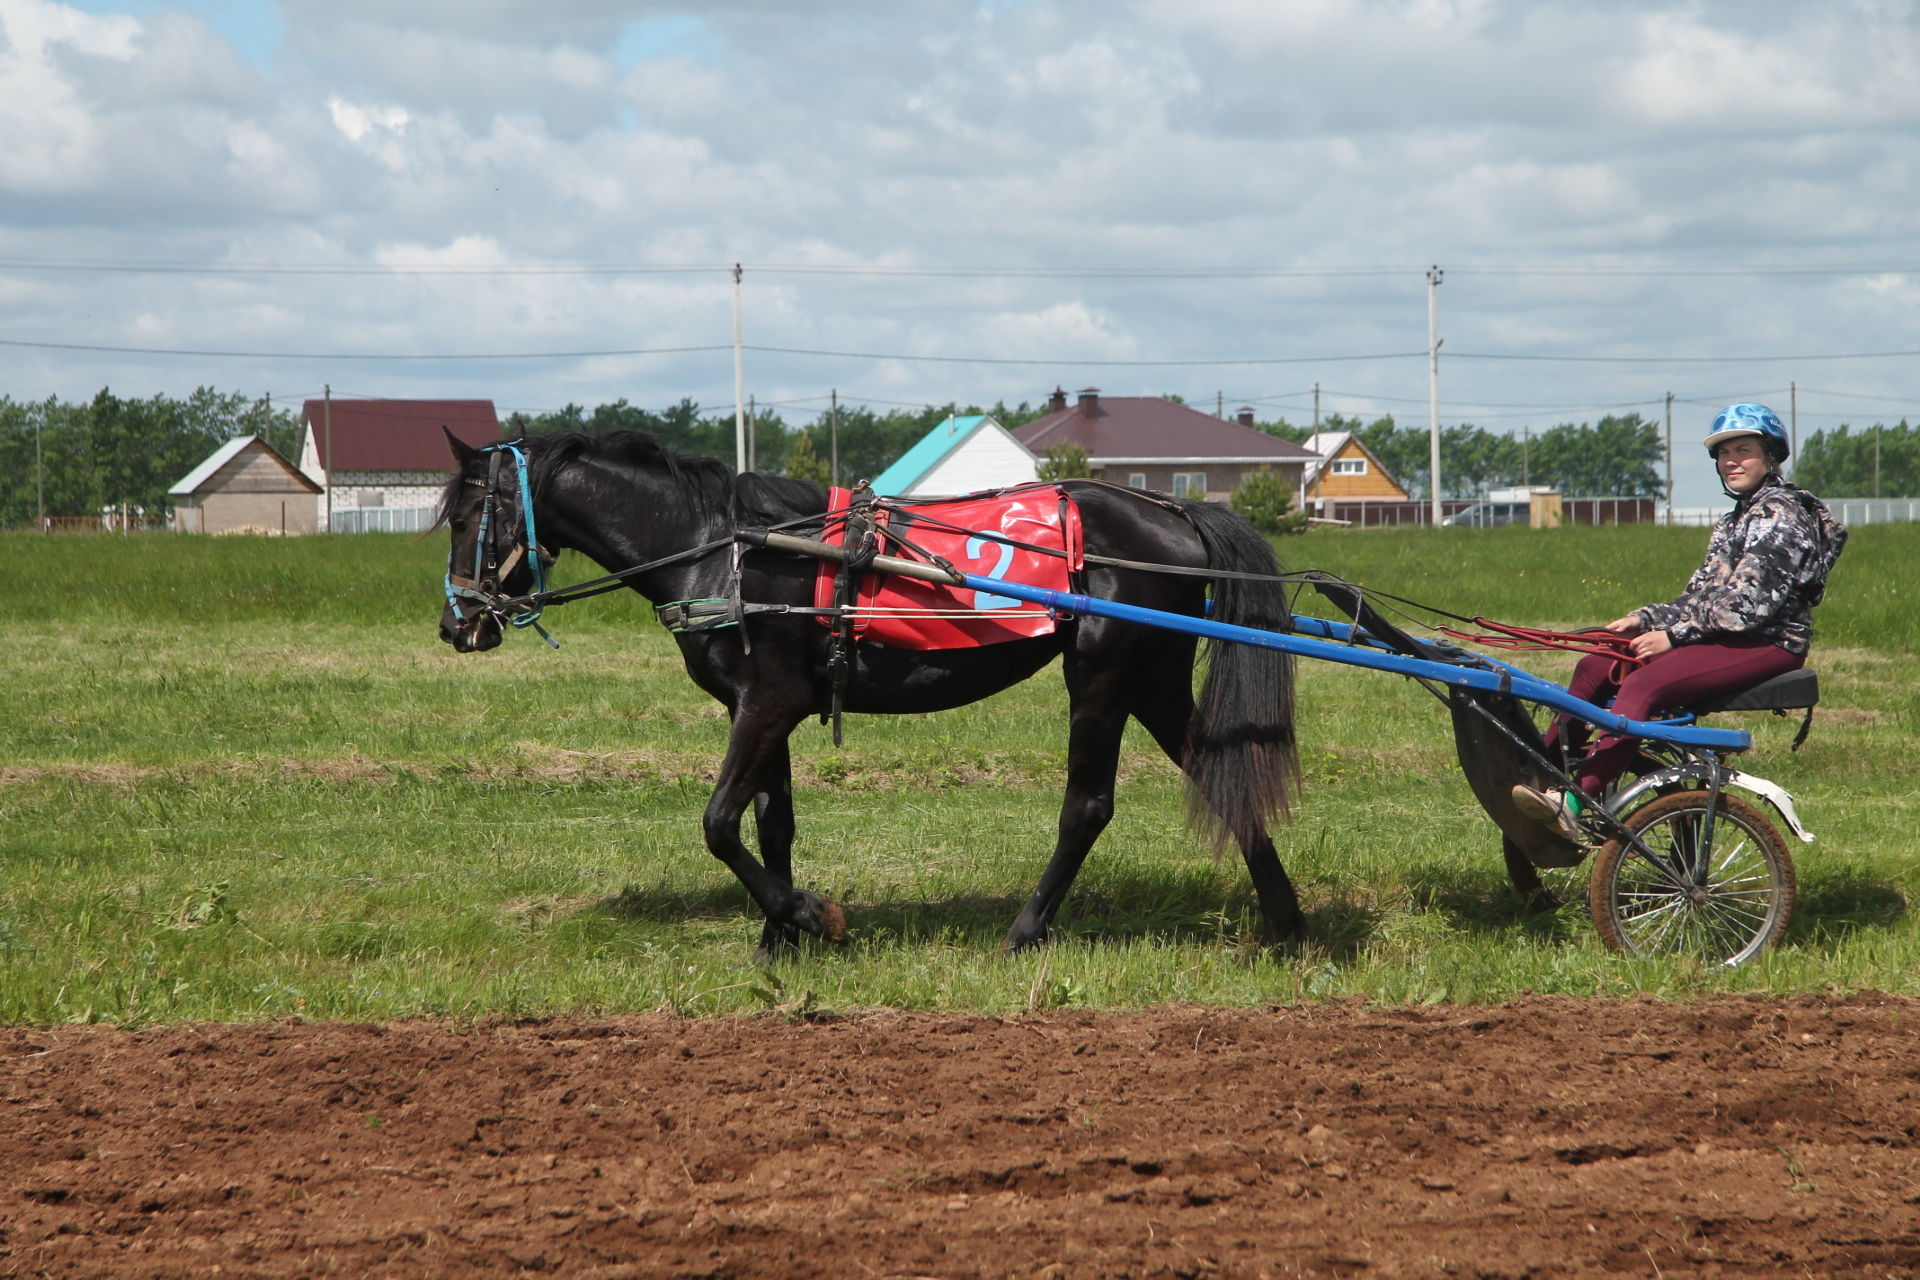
x=1242 y=759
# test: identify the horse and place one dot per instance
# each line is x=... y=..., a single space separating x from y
x=666 y=524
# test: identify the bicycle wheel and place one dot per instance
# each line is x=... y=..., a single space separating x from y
x=1723 y=896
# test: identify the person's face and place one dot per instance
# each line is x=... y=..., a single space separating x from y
x=1742 y=462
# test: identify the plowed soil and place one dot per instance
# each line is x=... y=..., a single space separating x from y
x=1545 y=1137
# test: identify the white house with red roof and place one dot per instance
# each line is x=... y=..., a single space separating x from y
x=383 y=463
x=1152 y=443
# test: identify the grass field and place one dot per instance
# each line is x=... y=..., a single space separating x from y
x=242 y=778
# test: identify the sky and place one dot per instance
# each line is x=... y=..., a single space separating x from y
x=1233 y=201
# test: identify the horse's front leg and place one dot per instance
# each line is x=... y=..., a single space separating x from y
x=756 y=748
x=773 y=824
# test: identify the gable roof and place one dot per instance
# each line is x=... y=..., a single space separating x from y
x=396 y=435
x=933 y=448
x=1327 y=445
x=1143 y=429
x=191 y=482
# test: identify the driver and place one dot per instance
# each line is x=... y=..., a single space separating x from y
x=1744 y=617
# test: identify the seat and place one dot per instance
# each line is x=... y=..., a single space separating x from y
x=1788 y=692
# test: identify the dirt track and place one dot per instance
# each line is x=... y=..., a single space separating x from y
x=1547 y=1137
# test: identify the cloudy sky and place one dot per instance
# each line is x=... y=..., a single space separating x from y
x=1234 y=201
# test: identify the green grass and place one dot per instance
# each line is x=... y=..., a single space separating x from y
x=242 y=778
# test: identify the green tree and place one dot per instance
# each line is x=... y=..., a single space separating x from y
x=1878 y=462
x=1065 y=462
x=1266 y=501
x=1619 y=456
x=804 y=461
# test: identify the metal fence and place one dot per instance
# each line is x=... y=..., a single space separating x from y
x=1368 y=514
x=382 y=519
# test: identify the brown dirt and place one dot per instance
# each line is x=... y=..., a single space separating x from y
x=1546 y=1137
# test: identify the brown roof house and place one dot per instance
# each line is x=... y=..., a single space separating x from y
x=384 y=462
x=1152 y=443
x=246 y=486
x=1344 y=470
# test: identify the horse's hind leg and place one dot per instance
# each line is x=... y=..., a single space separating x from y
x=1168 y=716
x=756 y=747
x=1093 y=757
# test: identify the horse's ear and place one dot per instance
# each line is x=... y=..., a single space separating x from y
x=462 y=451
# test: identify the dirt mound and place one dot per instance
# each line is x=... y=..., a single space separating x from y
x=1547 y=1137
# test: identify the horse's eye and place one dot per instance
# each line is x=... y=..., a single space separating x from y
x=458 y=526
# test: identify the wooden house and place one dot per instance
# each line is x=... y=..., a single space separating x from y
x=1154 y=443
x=1345 y=470
x=246 y=486
x=383 y=463
x=963 y=454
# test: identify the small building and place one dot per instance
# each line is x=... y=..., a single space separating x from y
x=384 y=462
x=1153 y=443
x=246 y=486
x=1345 y=470
x=963 y=454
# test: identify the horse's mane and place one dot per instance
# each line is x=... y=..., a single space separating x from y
x=751 y=499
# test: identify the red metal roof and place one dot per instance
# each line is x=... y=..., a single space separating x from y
x=397 y=435
x=1137 y=428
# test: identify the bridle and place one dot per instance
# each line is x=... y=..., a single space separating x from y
x=482 y=587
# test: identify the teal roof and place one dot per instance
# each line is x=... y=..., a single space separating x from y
x=927 y=453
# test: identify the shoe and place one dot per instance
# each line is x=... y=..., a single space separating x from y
x=1548 y=808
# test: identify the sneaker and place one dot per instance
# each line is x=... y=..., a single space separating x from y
x=1549 y=808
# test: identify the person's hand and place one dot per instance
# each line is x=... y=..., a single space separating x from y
x=1650 y=644
x=1627 y=626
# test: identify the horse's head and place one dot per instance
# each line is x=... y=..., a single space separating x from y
x=491 y=559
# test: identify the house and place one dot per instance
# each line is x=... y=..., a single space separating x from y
x=1345 y=470
x=246 y=486
x=1152 y=443
x=383 y=463
x=961 y=455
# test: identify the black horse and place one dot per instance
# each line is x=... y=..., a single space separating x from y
x=625 y=501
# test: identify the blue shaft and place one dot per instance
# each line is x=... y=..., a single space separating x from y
x=1317 y=638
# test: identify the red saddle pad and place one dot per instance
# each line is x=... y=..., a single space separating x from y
x=975 y=533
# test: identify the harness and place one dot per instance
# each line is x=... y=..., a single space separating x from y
x=483 y=586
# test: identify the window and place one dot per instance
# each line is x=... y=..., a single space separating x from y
x=1189 y=484
x=1138 y=479
x=1349 y=466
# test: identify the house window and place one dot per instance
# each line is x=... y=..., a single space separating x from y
x=1189 y=484
x=1138 y=479
x=1349 y=466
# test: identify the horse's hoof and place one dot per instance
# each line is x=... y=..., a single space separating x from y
x=1018 y=942
x=821 y=917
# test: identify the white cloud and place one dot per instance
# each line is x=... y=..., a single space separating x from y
x=1049 y=136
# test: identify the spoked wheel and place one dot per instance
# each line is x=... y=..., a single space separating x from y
x=1721 y=892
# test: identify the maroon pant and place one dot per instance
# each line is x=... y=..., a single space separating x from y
x=1676 y=678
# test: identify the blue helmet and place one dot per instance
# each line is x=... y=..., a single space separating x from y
x=1750 y=420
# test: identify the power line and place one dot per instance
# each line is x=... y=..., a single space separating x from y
x=1186 y=272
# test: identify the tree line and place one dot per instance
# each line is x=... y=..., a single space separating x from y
x=74 y=458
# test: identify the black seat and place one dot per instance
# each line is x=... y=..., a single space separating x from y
x=1789 y=692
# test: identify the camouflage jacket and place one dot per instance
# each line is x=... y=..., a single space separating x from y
x=1766 y=568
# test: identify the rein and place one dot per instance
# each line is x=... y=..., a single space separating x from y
x=1502 y=635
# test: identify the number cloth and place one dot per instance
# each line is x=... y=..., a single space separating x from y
x=974 y=533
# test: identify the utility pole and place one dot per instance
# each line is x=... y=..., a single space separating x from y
x=39 y=469
x=1316 y=408
x=326 y=463
x=1434 y=275
x=1219 y=404
x=1526 y=448
x=753 y=430
x=1669 y=457
x=739 y=383
x=833 y=435
x=1793 y=429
